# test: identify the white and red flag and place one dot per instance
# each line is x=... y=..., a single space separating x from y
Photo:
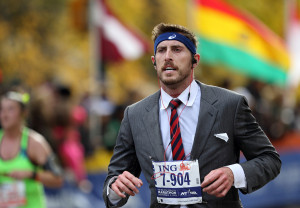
x=117 y=41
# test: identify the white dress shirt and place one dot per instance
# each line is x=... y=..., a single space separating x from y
x=188 y=113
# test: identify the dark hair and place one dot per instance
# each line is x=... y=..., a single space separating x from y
x=165 y=27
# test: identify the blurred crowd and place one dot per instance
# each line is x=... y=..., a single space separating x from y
x=276 y=109
x=77 y=127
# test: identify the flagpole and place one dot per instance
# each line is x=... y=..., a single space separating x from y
x=95 y=64
x=190 y=15
x=285 y=18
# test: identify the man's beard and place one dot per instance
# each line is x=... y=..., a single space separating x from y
x=169 y=82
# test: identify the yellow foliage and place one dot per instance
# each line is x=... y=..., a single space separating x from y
x=38 y=41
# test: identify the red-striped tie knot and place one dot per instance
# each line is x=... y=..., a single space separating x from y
x=175 y=103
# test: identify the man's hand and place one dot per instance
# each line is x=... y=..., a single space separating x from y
x=218 y=182
x=128 y=183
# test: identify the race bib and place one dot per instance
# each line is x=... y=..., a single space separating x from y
x=177 y=182
x=12 y=194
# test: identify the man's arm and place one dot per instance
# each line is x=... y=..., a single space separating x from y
x=263 y=163
x=123 y=161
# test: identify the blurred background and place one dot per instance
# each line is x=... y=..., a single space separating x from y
x=84 y=61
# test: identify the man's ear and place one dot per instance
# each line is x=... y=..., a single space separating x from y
x=153 y=61
x=196 y=60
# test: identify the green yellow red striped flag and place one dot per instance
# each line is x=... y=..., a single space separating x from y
x=239 y=41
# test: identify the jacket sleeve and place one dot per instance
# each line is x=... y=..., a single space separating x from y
x=263 y=163
x=123 y=159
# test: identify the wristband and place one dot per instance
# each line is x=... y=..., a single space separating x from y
x=34 y=175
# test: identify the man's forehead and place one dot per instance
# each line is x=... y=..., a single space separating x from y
x=166 y=43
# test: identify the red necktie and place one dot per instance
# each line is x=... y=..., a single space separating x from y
x=176 y=140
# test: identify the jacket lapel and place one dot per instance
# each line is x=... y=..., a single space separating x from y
x=206 y=119
x=207 y=116
x=151 y=121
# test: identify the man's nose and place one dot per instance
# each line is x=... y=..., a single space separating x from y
x=168 y=55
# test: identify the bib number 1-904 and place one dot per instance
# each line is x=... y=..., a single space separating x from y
x=177 y=182
x=173 y=179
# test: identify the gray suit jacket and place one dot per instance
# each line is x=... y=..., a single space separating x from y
x=221 y=111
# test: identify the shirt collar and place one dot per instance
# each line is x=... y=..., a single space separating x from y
x=166 y=98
